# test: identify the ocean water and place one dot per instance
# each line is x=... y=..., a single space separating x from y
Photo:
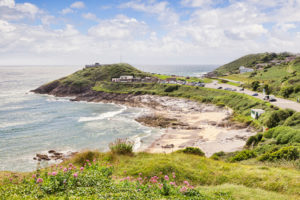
x=32 y=123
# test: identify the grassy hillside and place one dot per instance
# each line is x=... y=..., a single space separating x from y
x=248 y=61
x=94 y=175
x=282 y=80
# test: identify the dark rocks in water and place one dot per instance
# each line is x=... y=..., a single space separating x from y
x=53 y=155
x=42 y=157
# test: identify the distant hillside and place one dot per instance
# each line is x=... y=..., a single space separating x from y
x=249 y=61
x=86 y=78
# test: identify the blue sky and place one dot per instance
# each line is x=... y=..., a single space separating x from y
x=145 y=32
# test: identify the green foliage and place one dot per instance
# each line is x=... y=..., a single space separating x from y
x=284 y=135
x=287 y=153
x=217 y=155
x=255 y=85
x=121 y=146
x=287 y=91
x=192 y=150
x=172 y=88
x=254 y=140
x=278 y=117
x=243 y=155
x=293 y=120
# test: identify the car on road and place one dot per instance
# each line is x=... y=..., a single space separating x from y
x=242 y=89
x=255 y=94
x=233 y=89
x=229 y=89
x=220 y=88
x=269 y=98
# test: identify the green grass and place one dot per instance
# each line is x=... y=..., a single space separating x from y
x=128 y=177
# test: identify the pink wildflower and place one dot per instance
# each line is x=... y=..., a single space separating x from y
x=173 y=175
x=75 y=175
x=140 y=174
x=54 y=173
x=81 y=168
x=49 y=173
x=39 y=180
x=87 y=160
x=66 y=169
x=186 y=182
x=173 y=183
x=167 y=178
x=34 y=176
x=70 y=168
x=70 y=165
x=183 y=189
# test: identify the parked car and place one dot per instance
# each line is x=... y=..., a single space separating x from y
x=266 y=98
x=255 y=94
x=229 y=89
x=220 y=88
x=272 y=100
x=242 y=89
x=233 y=89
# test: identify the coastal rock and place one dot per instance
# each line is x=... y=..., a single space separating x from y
x=42 y=157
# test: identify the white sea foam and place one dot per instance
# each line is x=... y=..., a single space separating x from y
x=103 y=115
x=137 y=139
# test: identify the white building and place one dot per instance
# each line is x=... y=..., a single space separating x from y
x=255 y=113
x=244 y=69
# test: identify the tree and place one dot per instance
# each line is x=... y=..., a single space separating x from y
x=255 y=85
x=267 y=89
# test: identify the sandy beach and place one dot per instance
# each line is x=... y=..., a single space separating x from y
x=195 y=125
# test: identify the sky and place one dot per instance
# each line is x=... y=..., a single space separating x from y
x=46 y=32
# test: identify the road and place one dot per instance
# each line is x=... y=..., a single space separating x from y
x=281 y=103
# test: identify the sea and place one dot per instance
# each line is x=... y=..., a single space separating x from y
x=34 y=123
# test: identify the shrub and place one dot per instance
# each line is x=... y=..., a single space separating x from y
x=278 y=117
x=121 y=146
x=294 y=120
x=283 y=135
x=217 y=155
x=286 y=153
x=254 y=140
x=87 y=155
x=287 y=91
x=172 y=88
x=243 y=155
x=192 y=150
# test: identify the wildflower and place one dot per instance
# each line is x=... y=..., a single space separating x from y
x=173 y=183
x=94 y=160
x=49 y=173
x=81 y=168
x=39 y=180
x=70 y=165
x=75 y=175
x=87 y=160
x=66 y=169
x=167 y=178
x=34 y=176
x=54 y=173
x=140 y=190
x=183 y=189
x=173 y=174
x=140 y=174
x=70 y=168
x=186 y=183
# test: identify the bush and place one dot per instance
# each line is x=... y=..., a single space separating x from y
x=287 y=91
x=286 y=153
x=294 y=120
x=283 y=135
x=278 y=117
x=121 y=146
x=192 y=150
x=172 y=88
x=254 y=140
x=243 y=155
x=217 y=155
x=87 y=155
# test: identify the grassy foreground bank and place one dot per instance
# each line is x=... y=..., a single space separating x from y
x=95 y=175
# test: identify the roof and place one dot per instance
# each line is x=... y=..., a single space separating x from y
x=258 y=110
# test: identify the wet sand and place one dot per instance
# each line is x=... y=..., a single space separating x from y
x=208 y=127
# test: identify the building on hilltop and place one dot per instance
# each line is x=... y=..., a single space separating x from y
x=93 y=65
x=244 y=69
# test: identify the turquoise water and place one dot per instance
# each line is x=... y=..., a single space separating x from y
x=32 y=123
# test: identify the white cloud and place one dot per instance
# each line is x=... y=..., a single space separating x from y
x=7 y=3
x=90 y=16
x=119 y=28
x=195 y=3
x=67 y=11
x=160 y=9
x=77 y=5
